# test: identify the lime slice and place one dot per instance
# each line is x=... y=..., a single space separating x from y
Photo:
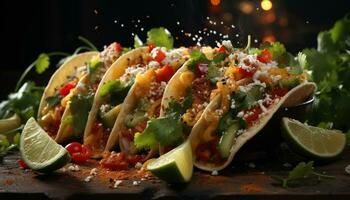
x=10 y=123
x=176 y=166
x=313 y=142
x=39 y=151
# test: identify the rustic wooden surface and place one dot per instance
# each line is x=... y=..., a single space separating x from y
x=230 y=183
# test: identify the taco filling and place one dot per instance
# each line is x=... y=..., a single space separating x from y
x=78 y=92
x=151 y=74
x=251 y=85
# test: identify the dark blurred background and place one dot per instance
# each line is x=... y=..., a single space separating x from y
x=31 y=27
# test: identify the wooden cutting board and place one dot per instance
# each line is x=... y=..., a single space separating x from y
x=246 y=180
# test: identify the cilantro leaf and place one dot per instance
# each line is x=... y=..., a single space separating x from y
x=160 y=37
x=137 y=42
x=42 y=63
x=80 y=106
x=195 y=58
x=165 y=131
x=299 y=173
x=53 y=100
x=246 y=100
x=278 y=51
x=116 y=90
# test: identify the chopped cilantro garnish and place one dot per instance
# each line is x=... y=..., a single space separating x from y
x=160 y=37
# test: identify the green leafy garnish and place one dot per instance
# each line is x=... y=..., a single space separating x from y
x=195 y=58
x=137 y=42
x=116 y=90
x=160 y=37
x=247 y=100
x=53 y=100
x=300 y=173
x=94 y=64
x=80 y=106
x=42 y=63
x=329 y=65
x=166 y=131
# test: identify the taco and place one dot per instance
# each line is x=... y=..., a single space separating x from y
x=68 y=96
x=220 y=89
x=131 y=86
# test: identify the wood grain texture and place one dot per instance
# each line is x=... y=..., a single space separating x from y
x=232 y=182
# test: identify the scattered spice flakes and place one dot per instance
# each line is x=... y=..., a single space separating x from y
x=250 y=187
x=8 y=182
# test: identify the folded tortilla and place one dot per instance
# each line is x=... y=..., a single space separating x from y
x=116 y=70
x=62 y=75
x=295 y=96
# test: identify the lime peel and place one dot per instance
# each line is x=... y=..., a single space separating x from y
x=176 y=166
x=39 y=151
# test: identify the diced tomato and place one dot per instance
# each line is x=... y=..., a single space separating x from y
x=265 y=56
x=22 y=164
x=127 y=134
x=133 y=159
x=160 y=56
x=140 y=126
x=150 y=47
x=203 y=152
x=115 y=161
x=202 y=68
x=246 y=73
x=165 y=73
x=64 y=91
x=255 y=112
x=79 y=153
x=117 y=47
x=279 y=92
x=222 y=49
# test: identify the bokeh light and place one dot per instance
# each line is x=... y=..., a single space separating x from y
x=215 y=2
x=266 y=5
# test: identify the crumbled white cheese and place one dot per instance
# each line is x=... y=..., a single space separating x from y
x=240 y=114
x=227 y=44
x=153 y=64
x=214 y=173
x=93 y=172
x=262 y=107
x=73 y=168
x=347 y=169
x=233 y=104
x=117 y=183
x=138 y=165
x=276 y=78
x=88 y=178
x=136 y=183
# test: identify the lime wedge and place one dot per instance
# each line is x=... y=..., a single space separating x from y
x=10 y=123
x=313 y=142
x=39 y=151
x=176 y=166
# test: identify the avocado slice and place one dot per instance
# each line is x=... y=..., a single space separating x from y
x=131 y=120
x=227 y=139
x=108 y=119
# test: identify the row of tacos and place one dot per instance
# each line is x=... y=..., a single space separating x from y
x=151 y=99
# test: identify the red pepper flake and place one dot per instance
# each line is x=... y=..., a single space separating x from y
x=22 y=164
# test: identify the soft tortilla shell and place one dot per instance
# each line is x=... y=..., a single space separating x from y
x=293 y=97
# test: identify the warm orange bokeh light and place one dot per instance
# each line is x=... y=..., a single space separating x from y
x=266 y=5
x=269 y=38
x=246 y=7
x=215 y=2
